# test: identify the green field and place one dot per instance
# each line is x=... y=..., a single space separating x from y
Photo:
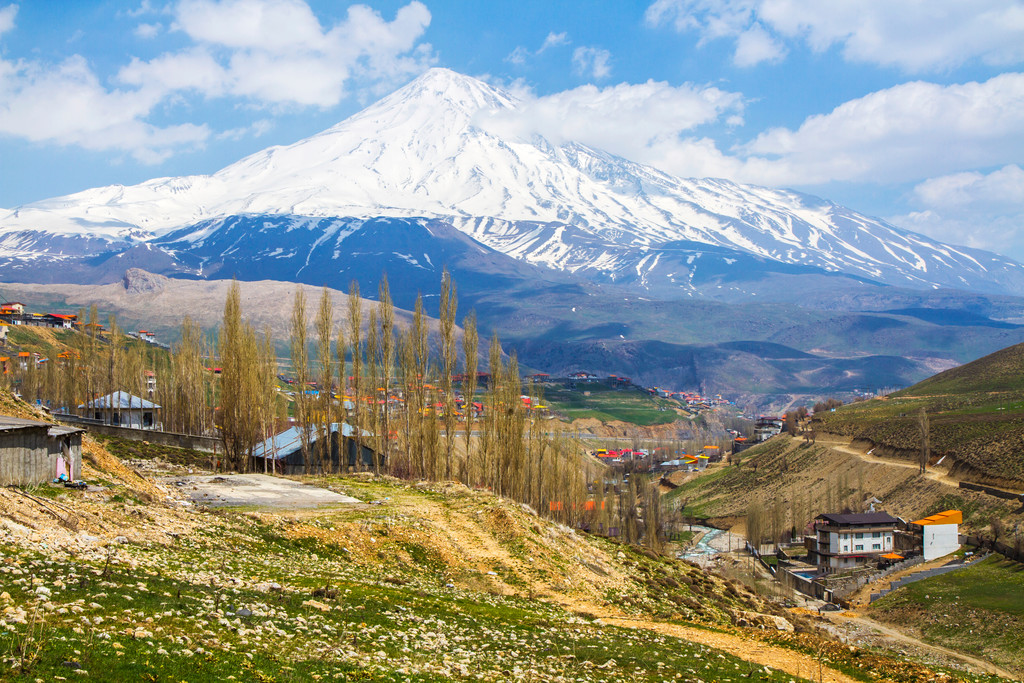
x=607 y=404
x=975 y=413
x=979 y=610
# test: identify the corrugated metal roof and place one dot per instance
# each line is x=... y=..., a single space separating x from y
x=122 y=400
x=288 y=441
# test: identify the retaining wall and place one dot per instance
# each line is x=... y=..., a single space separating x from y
x=207 y=444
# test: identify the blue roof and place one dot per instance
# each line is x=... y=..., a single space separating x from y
x=290 y=440
x=121 y=400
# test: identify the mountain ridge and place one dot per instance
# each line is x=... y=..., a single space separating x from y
x=427 y=151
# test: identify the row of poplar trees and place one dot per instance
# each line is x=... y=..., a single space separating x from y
x=396 y=386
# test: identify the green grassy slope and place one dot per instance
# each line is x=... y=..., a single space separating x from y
x=975 y=411
x=979 y=610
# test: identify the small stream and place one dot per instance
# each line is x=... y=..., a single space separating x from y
x=713 y=542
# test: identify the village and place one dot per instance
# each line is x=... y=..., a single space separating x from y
x=841 y=556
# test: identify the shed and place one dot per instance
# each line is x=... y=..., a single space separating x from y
x=124 y=410
x=940 y=533
x=284 y=450
x=34 y=452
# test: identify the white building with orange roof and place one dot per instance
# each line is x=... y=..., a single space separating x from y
x=940 y=533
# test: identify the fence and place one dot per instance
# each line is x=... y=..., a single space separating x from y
x=927 y=574
x=998 y=493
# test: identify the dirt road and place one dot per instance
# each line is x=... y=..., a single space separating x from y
x=793 y=663
x=939 y=475
x=844 y=619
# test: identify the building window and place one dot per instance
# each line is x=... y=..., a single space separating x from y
x=876 y=534
x=876 y=546
x=859 y=536
x=859 y=546
x=846 y=548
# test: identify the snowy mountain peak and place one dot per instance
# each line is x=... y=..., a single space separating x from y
x=417 y=153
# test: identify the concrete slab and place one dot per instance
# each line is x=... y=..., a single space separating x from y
x=260 y=490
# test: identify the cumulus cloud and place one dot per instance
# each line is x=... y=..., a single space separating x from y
x=900 y=134
x=269 y=53
x=592 y=61
x=914 y=36
x=755 y=45
x=636 y=121
x=147 y=31
x=68 y=105
x=977 y=209
x=7 y=15
x=276 y=52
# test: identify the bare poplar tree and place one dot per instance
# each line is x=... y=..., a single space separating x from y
x=470 y=348
x=373 y=369
x=926 y=448
x=300 y=366
x=341 y=349
x=386 y=313
x=449 y=305
x=325 y=364
x=355 y=331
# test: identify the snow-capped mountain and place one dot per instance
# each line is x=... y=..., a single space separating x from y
x=430 y=152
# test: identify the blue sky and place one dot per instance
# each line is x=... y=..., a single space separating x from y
x=912 y=111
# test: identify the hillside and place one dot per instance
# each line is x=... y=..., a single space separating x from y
x=806 y=479
x=766 y=355
x=975 y=414
x=128 y=581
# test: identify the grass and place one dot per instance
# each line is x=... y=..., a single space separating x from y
x=607 y=404
x=979 y=610
x=173 y=613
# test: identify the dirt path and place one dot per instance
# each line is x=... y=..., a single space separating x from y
x=793 y=663
x=978 y=665
x=935 y=475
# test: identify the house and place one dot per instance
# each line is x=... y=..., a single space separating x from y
x=34 y=452
x=842 y=541
x=940 y=533
x=284 y=450
x=122 y=409
x=767 y=427
x=12 y=308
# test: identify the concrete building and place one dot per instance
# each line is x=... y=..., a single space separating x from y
x=940 y=533
x=848 y=540
x=34 y=453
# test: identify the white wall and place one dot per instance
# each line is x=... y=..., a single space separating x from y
x=939 y=540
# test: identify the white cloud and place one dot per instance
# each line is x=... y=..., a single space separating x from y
x=593 y=61
x=898 y=134
x=755 y=45
x=914 y=36
x=67 y=105
x=275 y=52
x=256 y=129
x=147 y=31
x=268 y=52
x=7 y=15
x=554 y=40
x=980 y=210
x=518 y=56
x=635 y=121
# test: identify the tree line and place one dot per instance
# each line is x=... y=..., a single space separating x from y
x=395 y=385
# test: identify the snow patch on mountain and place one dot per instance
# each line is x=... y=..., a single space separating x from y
x=428 y=151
